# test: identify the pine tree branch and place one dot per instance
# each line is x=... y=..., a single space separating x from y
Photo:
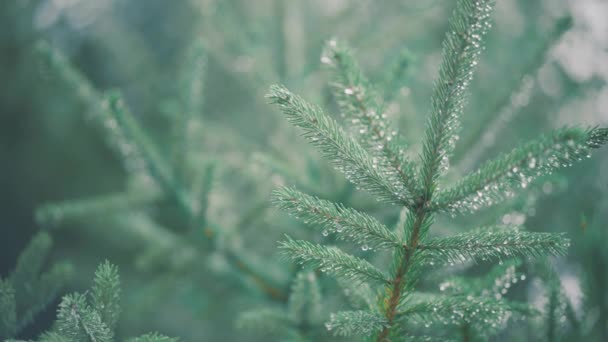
x=125 y=125
x=346 y=223
x=508 y=173
x=304 y=305
x=54 y=213
x=398 y=75
x=460 y=309
x=267 y=320
x=359 y=106
x=331 y=260
x=78 y=322
x=193 y=98
x=137 y=151
x=461 y=49
x=347 y=155
x=105 y=296
x=348 y=323
x=493 y=242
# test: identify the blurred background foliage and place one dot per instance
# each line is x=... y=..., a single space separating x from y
x=545 y=66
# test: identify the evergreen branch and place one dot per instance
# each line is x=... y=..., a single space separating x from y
x=359 y=296
x=45 y=291
x=398 y=74
x=98 y=206
x=77 y=321
x=331 y=260
x=268 y=321
x=346 y=154
x=8 y=310
x=105 y=296
x=405 y=261
x=26 y=272
x=193 y=99
x=516 y=169
x=458 y=310
x=503 y=108
x=491 y=243
x=348 y=323
x=124 y=123
x=304 y=304
x=359 y=106
x=461 y=49
x=495 y=283
x=153 y=337
x=346 y=223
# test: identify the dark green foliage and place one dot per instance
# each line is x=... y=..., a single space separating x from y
x=29 y=289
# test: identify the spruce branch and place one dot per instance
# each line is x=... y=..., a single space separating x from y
x=105 y=295
x=153 y=337
x=331 y=260
x=493 y=242
x=515 y=170
x=346 y=223
x=348 y=323
x=460 y=309
x=268 y=321
x=304 y=304
x=461 y=49
x=33 y=289
x=54 y=213
x=347 y=155
x=125 y=124
x=77 y=321
x=359 y=106
x=193 y=99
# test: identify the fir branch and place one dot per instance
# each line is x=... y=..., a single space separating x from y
x=268 y=321
x=105 y=296
x=461 y=49
x=359 y=296
x=193 y=100
x=508 y=173
x=493 y=242
x=331 y=260
x=125 y=124
x=304 y=304
x=398 y=74
x=28 y=267
x=359 y=106
x=153 y=337
x=8 y=310
x=77 y=321
x=348 y=323
x=347 y=155
x=55 y=213
x=45 y=291
x=35 y=290
x=458 y=310
x=346 y=223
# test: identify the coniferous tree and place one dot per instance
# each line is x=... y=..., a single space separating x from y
x=374 y=161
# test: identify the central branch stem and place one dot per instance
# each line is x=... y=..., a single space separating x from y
x=404 y=265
